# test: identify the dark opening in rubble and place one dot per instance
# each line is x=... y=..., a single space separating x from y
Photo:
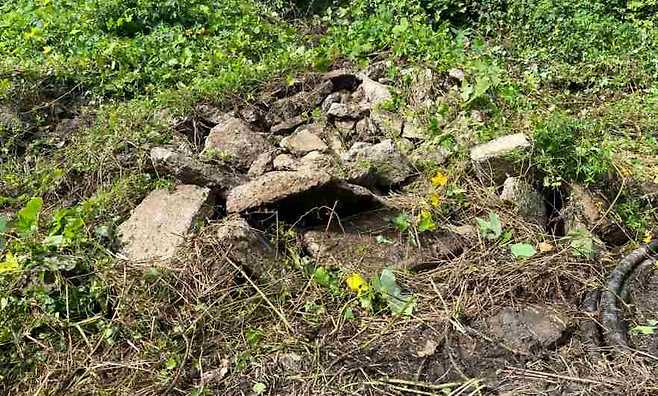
x=554 y=198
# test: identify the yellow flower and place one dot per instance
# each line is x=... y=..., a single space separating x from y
x=435 y=200
x=357 y=283
x=440 y=179
x=647 y=237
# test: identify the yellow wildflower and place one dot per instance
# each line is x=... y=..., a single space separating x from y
x=647 y=237
x=357 y=283
x=435 y=200
x=440 y=179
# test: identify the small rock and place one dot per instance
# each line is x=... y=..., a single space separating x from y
x=211 y=113
x=188 y=170
x=422 y=85
x=235 y=142
x=285 y=162
x=457 y=74
x=385 y=123
x=287 y=126
x=346 y=110
x=429 y=155
x=378 y=70
x=244 y=244
x=345 y=126
x=335 y=97
x=304 y=140
x=253 y=116
x=530 y=328
x=491 y=160
x=261 y=165
x=380 y=165
x=374 y=92
x=158 y=225
x=412 y=130
x=335 y=142
x=529 y=203
x=272 y=187
x=584 y=210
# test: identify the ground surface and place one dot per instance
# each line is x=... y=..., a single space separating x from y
x=380 y=197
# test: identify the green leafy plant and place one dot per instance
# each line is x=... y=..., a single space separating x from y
x=398 y=303
x=522 y=250
x=490 y=229
x=27 y=219
x=648 y=329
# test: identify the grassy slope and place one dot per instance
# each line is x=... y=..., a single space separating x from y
x=574 y=74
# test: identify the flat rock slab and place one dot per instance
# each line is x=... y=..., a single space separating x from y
x=376 y=165
x=272 y=187
x=499 y=147
x=530 y=328
x=158 y=225
x=304 y=140
x=369 y=242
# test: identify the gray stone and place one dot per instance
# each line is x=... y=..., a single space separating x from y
x=492 y=160
x=285 y=162
x=158 y=225
x=457 y=74
x=499 y=147
x=304 y=140
x=530 y=328
x=528 y=202
x=346 y=110
x=345 y=126
x=233 y=141
x=272 y=187
x=429 y=155
x=244 y=245
x=584 y=211
x=287 y=126
x=261 y=165
x=385 y=123
x=188 y=170
x=374 y=93
x=211 y=113
x=380 y=165
x=412 y=130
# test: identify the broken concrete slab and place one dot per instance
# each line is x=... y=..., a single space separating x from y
x=234 y=142
x=304 y=140
x=369 y=242
x=528 y=202
x=376 y=165
x=492 y=160
x=158 y=225
x=272 y=187
x=189 y=170
x=530 y=328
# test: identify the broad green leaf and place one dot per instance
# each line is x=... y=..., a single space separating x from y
x=27 y=218
x=491 y=229
x=522 y=250
x=399 y=303
x=649 y=329
x=171 y=363
x=402 y=222
x=322 y=276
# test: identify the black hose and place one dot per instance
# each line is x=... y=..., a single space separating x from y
x=614 y=327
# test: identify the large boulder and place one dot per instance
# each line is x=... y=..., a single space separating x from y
x=494 y=161
x=376 y=165
x=157 y=227
x=189 y=170
x=233 y=141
